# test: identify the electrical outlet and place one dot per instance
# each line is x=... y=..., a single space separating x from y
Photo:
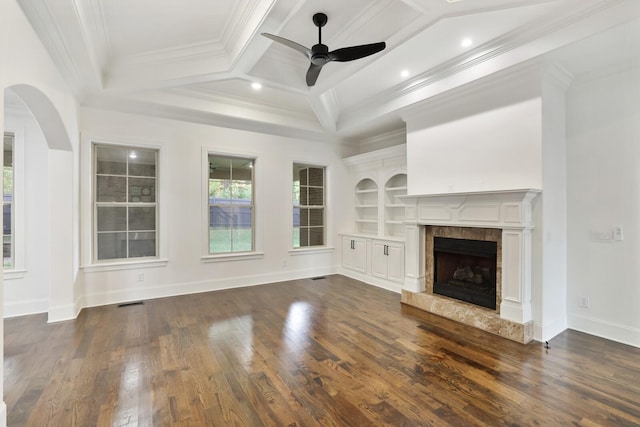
x=284 y=262
x=583 y=302
x=140 y=277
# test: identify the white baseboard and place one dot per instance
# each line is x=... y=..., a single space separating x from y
x=162 y=291
x=549 y=330
x=604 y=329
x=3 y=414
x=24 y=308
x=61 y=313
x=370 y=280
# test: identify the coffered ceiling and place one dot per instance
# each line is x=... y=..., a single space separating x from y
x=197 y=59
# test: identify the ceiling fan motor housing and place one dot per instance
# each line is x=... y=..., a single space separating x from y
x=320 y=54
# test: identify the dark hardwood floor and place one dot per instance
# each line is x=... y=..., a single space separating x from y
x=331 y=352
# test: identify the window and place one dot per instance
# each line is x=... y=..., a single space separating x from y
x=125 y=208
x=230 y=204
x=8 y=246
x=308 y=206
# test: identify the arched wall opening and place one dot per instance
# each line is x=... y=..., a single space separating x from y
x=44 y=281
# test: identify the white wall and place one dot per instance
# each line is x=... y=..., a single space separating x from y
x=603 y=180
x=25 y=62
x=493 y=150
x=183 y=146
x=27 y=291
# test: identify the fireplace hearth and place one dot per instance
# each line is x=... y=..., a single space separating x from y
x=465 y=270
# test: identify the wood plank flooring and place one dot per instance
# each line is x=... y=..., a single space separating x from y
x=331 y=352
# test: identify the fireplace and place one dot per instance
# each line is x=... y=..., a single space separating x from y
x=494 y=230
x=465 y=270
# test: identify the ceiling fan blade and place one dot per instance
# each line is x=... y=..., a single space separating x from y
x=293 y=45
x=356 y=52
x=312 y=74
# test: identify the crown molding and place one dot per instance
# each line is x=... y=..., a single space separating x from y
x=397 y=151
x=173 y=112
x=326 y=109
x=43 y=23
x=243 y=26
x=495 y=56
x=393 y=138
x=211 y=95
x=510 y=86
x=91 y=16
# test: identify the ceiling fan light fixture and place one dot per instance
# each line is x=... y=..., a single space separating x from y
x=319 y=54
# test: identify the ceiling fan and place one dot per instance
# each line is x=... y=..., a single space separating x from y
x=319 y=54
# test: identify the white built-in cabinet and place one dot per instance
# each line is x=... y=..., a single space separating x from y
x=373 y=251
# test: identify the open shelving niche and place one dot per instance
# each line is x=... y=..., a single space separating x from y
x=394 y=209
x=366 y=207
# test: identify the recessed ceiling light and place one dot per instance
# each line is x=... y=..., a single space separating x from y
x=466 y=42
x=404 y=73
x=256 y=86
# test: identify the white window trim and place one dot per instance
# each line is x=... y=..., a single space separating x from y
x=327 y=247
x=88 y=263
x=19 y=238
x=257 y=252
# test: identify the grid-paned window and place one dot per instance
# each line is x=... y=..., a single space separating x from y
x=308 y=206
x=8 y=246
x=125 y=202
x=231 y=205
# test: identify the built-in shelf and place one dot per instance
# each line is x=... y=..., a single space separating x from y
x=366 y=206
x=394 y=212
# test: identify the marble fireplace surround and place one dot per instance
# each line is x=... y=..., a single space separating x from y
x=509 y=213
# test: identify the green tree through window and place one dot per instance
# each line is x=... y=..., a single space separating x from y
x=230 y=204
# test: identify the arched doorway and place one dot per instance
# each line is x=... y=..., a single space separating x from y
x=45 y=251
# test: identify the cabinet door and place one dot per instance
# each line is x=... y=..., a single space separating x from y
x=395 y=262
x=347 y=253
x=354 y=254
x=360 y=255
x=379 y=259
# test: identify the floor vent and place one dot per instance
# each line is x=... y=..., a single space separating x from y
x=128 y=304
x=318 y=278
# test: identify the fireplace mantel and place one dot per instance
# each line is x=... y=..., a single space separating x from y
x=498 y=209
x=509 y=211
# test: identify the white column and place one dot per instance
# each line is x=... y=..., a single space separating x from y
x=516 y=276
x=61 y=306
x=415 y=258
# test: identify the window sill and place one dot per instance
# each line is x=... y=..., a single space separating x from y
x=13 y=274
x=312 y=250
x=127 y=265
x=240 y=256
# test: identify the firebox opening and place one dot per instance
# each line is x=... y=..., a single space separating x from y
x=466 y=270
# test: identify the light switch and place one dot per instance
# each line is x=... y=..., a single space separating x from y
x=617 y=233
